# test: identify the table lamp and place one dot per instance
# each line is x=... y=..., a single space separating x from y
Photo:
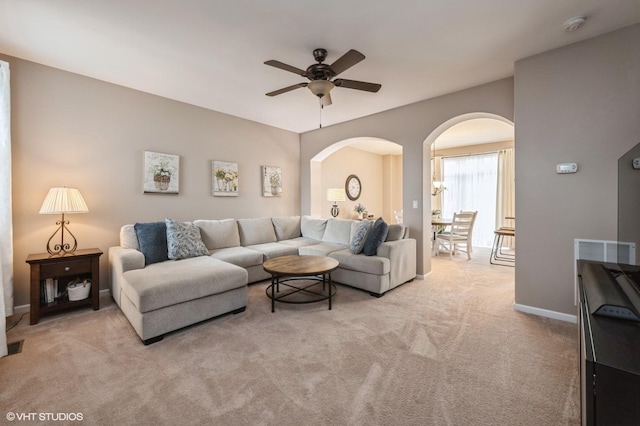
x=335 y=195
x=61 y=200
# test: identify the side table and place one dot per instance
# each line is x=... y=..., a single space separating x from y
x=61 y=269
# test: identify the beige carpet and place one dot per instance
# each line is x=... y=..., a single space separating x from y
x=449 y=350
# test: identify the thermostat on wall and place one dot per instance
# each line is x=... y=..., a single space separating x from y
x=567 y=168
x=636 y=163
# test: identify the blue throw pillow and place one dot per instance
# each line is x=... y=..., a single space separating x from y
x=152 y=239
x=376 y=236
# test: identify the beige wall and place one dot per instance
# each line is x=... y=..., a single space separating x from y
x=75 y=131
x=580 y=103
x=378 y=176
x=409 y=126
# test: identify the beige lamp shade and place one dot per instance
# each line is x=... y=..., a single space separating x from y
x=62 y=200
x=335 y=194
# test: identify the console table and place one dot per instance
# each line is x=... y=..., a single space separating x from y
x=609 y=357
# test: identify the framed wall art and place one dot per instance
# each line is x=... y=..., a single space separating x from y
x=224 y=179
x=161 y=173
x=271 y=181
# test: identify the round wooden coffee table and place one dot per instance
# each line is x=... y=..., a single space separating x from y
x=312 y=272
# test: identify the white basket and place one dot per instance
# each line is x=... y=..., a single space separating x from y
x=79 y=291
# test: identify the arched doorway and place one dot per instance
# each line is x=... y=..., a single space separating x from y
x=377 y=163
x=467 y=138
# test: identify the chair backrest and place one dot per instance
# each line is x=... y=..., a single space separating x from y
x=462 y=223
x=475 y=213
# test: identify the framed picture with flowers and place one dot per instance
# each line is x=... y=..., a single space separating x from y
x=161 y=173
x=271 y=181
x=224 y=179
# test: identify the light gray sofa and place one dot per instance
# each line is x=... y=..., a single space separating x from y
x=169 y=295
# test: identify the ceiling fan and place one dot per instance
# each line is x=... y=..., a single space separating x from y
x=320 y=75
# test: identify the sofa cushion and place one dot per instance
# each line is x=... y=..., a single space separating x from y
x=299 y=242
x=360 y=236
x=169 y=283
x=271 y=250
x=217 y=234
x=338 y=231
x=183 y=240
x=396 y=232
x=311 y=227
x=256 y=231
x=376 y=265
x=321 y=249
x=286 y=228
x=376 y=236
x=239 y=256
x=152 y=240
x=128 y=237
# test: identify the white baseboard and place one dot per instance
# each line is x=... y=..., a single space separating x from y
x=26 y=308
x=545 y=313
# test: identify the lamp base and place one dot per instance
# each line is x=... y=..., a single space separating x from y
x=335 y=211
x=62 y=248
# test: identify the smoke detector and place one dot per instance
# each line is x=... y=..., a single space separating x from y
x=574 y=23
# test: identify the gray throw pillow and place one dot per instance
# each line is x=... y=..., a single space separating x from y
x=152 y=240
x=396 y=231
x=376 y=237
x=360 y=236
x=183 y=240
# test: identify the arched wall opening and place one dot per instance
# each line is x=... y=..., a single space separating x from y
x=427 y=172
x=378 y=164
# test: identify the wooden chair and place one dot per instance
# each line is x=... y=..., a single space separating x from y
x=459 y=234
x=473 y=222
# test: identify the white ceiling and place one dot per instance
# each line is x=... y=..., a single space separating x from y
x=211 y=53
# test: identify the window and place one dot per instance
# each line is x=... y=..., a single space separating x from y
x=472 y=183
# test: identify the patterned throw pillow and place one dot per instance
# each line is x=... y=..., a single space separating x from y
x=360 y=236
x=183 y=240
x=376 y=237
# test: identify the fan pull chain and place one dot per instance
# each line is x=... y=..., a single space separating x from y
x=321 y=108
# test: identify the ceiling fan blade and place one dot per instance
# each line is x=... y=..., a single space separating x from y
x=286 y=89
x=285 y=67
x=326 y=100
x=346 y=61
x=358 y=85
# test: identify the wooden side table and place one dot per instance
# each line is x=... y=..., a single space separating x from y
x=77 y=266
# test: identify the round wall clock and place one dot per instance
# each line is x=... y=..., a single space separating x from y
x=353 y=187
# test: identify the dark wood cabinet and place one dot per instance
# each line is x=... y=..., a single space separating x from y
x=61 y=269
x=609 y=357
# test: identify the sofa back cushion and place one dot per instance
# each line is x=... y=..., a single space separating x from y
x=128 y=237
x=396 y=232
x=312 y=227
x=286 y=228
x=338 y=231
x=256 y=231
x=217 y=234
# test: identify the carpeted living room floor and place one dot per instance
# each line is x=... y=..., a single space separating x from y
x=449 y=350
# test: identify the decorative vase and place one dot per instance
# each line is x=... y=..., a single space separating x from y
x=274 y=190
x=360 y=215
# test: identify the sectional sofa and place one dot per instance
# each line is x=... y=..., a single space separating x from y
x=159 y=295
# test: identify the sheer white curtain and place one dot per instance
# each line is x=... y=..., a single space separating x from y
x=471 y=183
x=506 y=201
x=6 y=234
x=436 y=173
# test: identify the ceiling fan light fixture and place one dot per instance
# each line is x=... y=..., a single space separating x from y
x=320 y=88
